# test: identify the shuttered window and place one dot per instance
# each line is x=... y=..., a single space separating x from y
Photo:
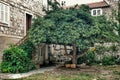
x=4 y=13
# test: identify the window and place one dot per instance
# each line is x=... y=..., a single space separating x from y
x=4 y=13
x=96 y=12
x=63 y=3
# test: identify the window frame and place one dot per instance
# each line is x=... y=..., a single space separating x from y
x=96 y=11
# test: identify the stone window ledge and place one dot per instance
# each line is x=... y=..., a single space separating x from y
x=3 y=24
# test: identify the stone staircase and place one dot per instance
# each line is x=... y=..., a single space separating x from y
x=22 y=40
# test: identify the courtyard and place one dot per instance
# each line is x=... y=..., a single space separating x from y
x=80 y=73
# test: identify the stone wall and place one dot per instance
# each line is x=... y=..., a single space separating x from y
x=107 y=12
x=112 y=9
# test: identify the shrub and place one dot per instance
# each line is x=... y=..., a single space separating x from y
x=81 y=60
x=117 y=60
x=90 y=58
x=98 y=55
x=108 y=60
x=28 y=47
x=15 y=60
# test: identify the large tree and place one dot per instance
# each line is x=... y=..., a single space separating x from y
x=74 y=26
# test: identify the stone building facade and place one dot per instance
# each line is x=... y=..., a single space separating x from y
x=15 y=20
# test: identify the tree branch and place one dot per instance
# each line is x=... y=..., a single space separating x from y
x=81 y=55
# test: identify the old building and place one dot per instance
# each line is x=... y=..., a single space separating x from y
x=15 y=20
x=105 y=7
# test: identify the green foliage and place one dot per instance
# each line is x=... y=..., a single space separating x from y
x=99 y=56
x=64 y=27
x=68 y=26
x=81 y=60
x=106 y=30
x=90 y=58
x=15 y=60
x=117 y=60
x=85 y=8
x=28 y=47
x=73 y=26
x=108 y=60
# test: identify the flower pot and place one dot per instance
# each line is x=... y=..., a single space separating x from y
x=67 y=65
x=73 y=65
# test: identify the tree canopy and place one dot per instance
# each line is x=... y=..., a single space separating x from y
x=73 y=26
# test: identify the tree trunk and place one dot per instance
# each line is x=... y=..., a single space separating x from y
x=74 y=59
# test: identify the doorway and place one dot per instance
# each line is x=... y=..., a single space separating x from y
x=28 y=22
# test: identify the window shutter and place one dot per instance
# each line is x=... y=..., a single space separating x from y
x=4 y=13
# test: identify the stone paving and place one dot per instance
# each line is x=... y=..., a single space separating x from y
x=22 y=75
